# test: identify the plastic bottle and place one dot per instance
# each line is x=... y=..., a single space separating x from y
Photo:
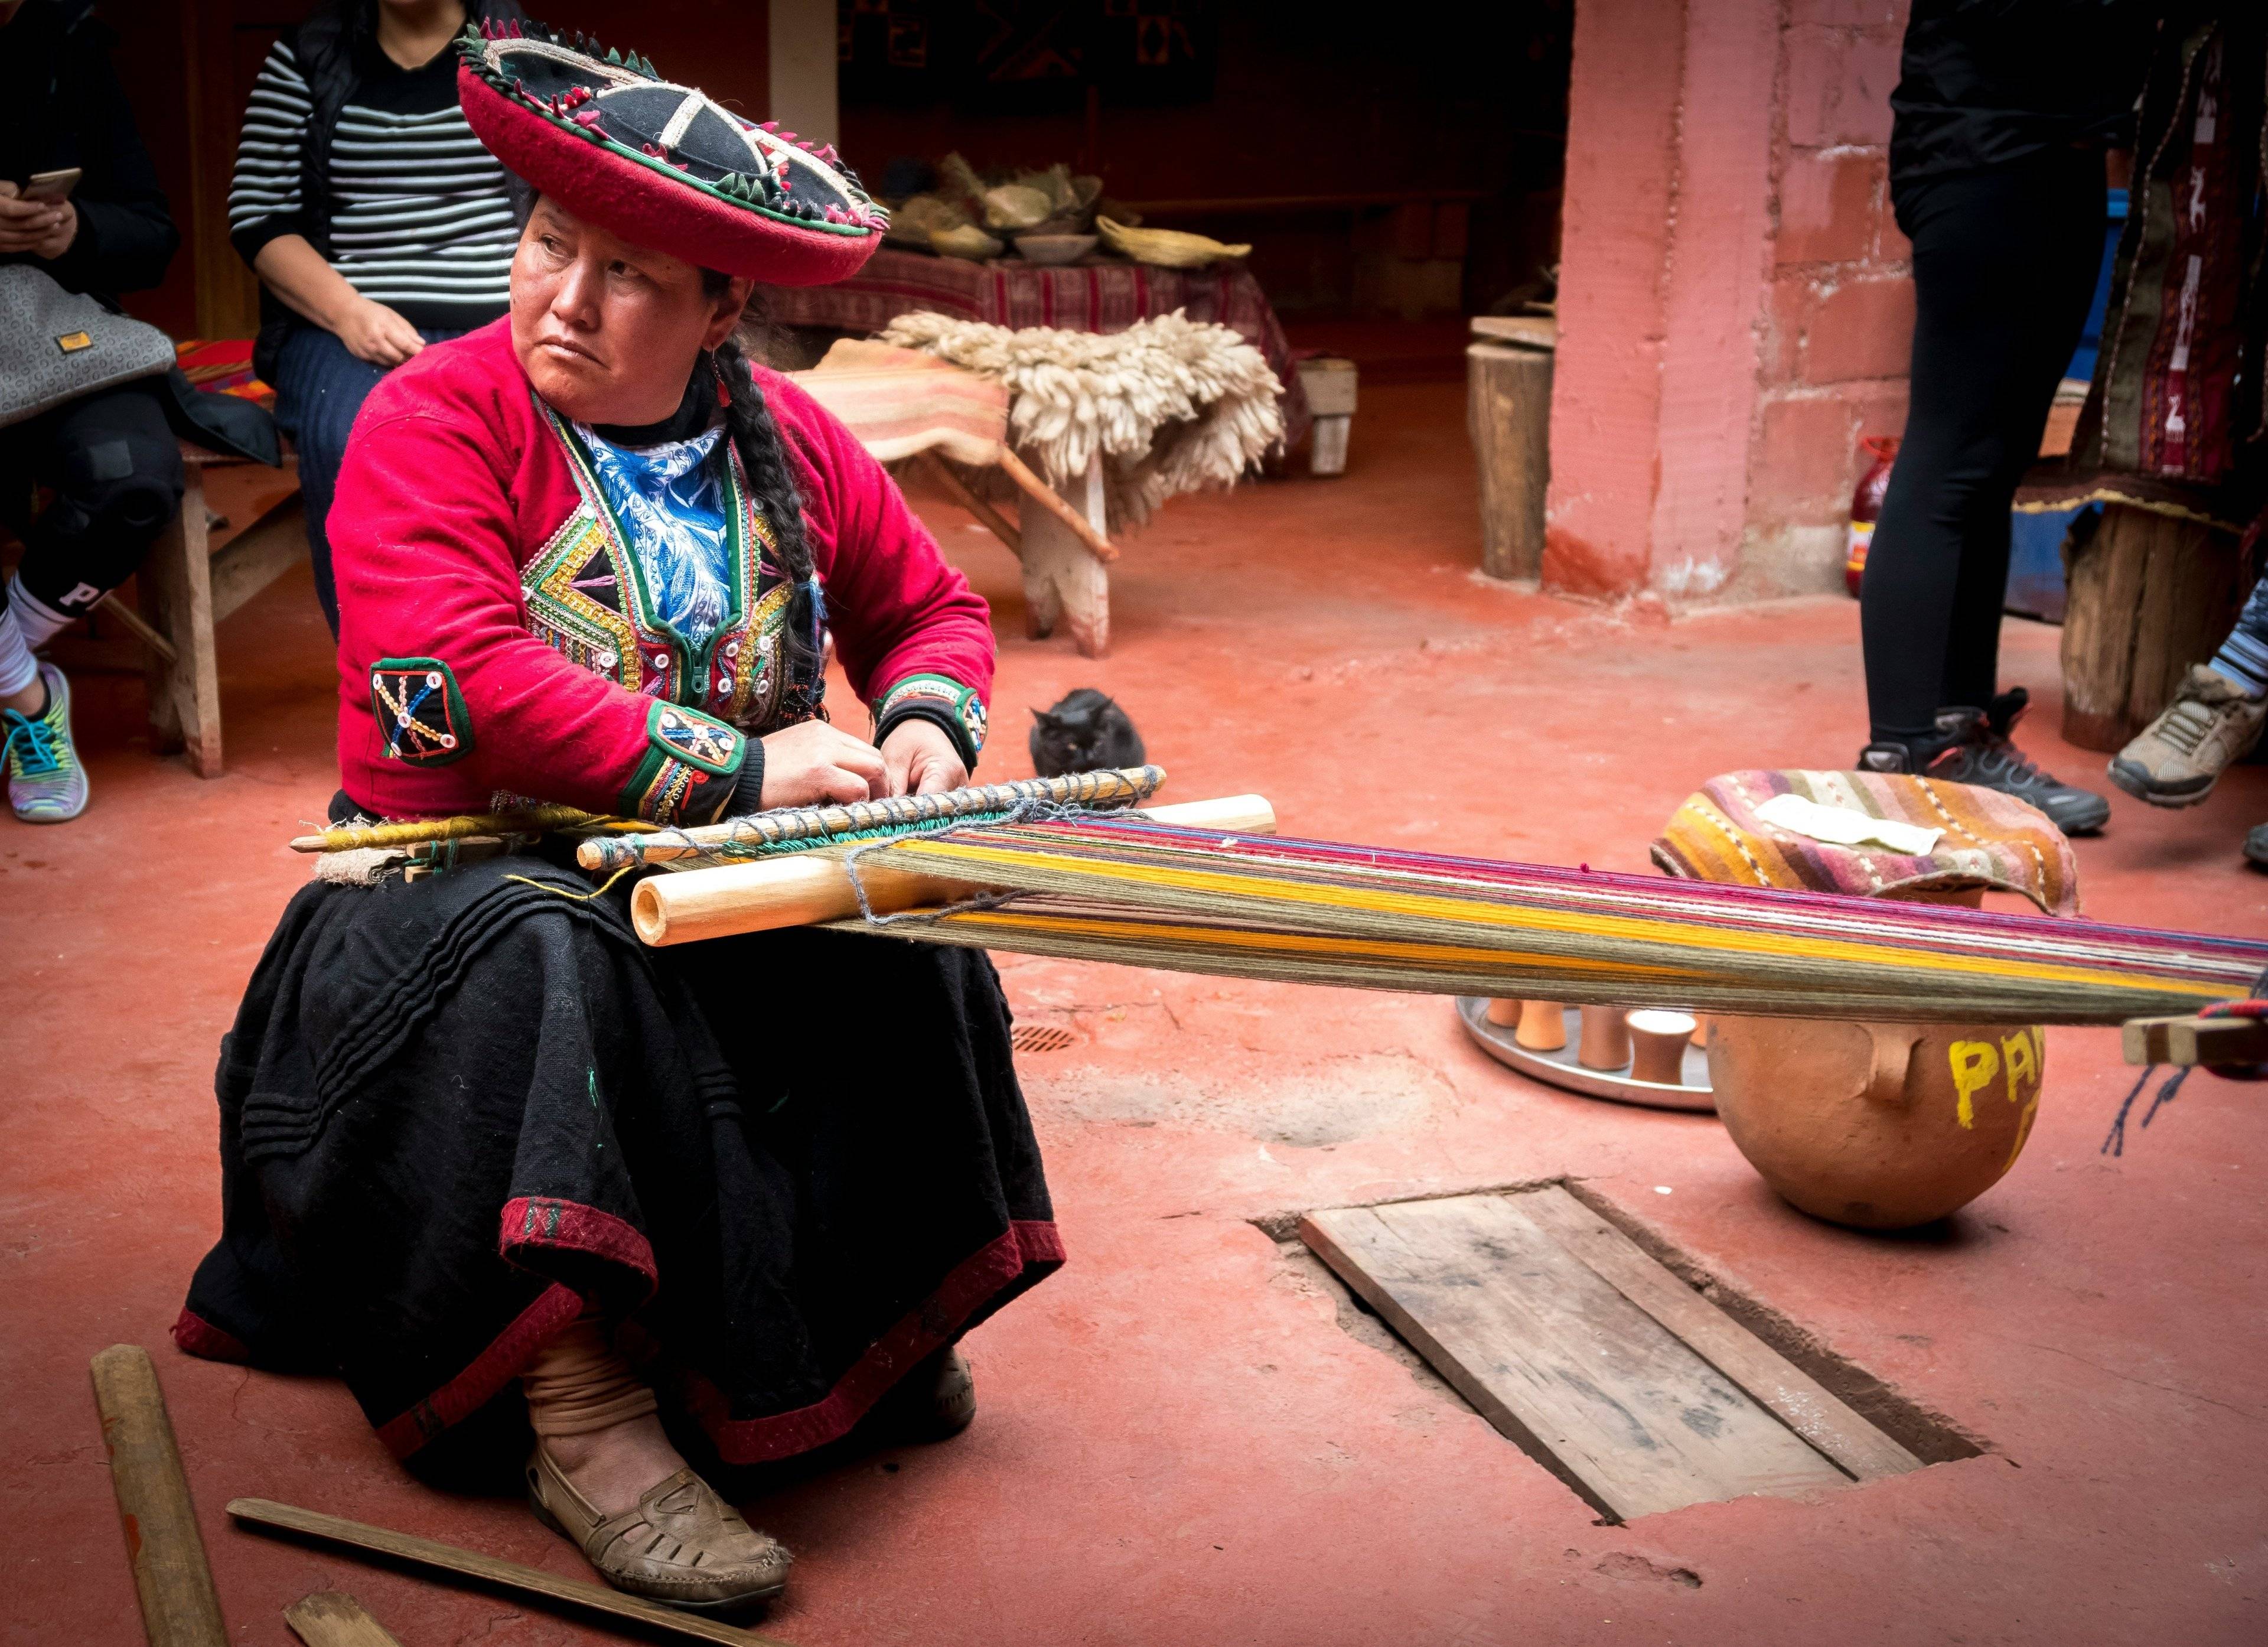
x=1867 y=507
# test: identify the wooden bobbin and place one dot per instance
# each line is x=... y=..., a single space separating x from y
x=1659 y=1040
x=1543 y=1026
x=1606 y=1043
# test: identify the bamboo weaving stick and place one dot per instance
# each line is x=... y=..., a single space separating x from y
x=175 y=1587
x=757 y=830
x=531 y=821
x=807 y=888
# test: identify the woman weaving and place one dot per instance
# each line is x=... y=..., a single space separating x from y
x=479 y=1143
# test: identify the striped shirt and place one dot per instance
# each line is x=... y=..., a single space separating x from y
x=421 y=216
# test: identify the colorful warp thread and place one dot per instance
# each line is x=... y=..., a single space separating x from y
x=1318 y=912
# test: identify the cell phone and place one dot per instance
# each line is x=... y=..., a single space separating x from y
x=52 y=186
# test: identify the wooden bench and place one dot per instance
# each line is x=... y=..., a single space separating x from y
x=186 y=587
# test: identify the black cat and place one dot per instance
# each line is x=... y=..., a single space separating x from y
x=1085 y=733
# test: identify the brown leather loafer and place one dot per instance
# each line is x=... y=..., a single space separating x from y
x=683 y=1544
x=935 y=1400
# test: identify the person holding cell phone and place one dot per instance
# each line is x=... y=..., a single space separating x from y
x=79 y=201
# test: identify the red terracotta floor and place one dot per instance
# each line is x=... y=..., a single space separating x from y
x=1178 y=1441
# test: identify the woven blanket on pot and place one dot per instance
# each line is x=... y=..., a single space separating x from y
x=1171 y=404
x=1737 y=829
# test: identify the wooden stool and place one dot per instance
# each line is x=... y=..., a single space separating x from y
x=187 y=588
x=2151 y=594
x=1508 y=412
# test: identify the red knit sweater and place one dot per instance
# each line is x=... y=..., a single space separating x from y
x=493 y=642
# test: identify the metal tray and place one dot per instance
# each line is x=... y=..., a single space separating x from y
x=1560 y=1070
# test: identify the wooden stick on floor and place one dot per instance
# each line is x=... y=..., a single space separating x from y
x=178 y=1606
x=488 y=1570
x=330 y=1618
x=942 y=473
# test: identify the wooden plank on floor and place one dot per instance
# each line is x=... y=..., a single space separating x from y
x=331 y=1618
x=1800 y=1400
x=1559 y=1359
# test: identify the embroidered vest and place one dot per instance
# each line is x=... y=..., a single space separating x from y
x=586 y=599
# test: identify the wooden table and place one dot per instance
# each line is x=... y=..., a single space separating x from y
x=1096 y=294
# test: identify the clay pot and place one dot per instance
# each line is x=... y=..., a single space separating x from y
x=1503 y=1012
x=1878 y=1126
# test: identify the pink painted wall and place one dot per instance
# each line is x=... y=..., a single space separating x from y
x=1735 y=309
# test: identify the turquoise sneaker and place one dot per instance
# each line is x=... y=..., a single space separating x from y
x=46 y=783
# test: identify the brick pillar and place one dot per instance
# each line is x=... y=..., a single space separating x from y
x=1733 y=311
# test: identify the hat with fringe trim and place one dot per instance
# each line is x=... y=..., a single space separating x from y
x=663 y=165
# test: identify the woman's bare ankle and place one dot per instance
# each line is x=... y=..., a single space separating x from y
x=612 y=1468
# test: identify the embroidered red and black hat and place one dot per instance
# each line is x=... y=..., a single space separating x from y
x=659 y=164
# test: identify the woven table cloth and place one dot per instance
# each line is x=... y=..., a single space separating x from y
x=1085 y=297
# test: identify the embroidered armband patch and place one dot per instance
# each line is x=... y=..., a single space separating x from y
x=960 y=703
x=692 y=737
x=688 y=766
x=420 y=713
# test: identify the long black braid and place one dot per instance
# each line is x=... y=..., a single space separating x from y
x=771 y=483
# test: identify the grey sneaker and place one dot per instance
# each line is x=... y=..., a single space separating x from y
x=2176 y=759
x=2255 y=846
x=46 y=783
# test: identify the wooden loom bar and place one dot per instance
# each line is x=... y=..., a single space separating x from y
x=2189 y=1041
x=804 y=889
x=787 y=824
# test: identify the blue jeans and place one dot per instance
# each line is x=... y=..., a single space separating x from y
x=319 y=387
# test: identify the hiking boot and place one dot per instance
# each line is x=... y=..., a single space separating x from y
x=1971 y=747
x=2176 y=759
x=46 y=783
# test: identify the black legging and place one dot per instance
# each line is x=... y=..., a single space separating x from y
x=2005 y=266
x=111 y=458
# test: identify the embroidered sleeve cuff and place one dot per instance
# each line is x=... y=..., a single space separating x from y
x=937 y=697
x=748 y=788
x=690 y=769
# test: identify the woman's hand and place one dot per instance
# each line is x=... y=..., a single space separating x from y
x=920 y=759
x=812 y=764
x=45 y=228
x=375 y=333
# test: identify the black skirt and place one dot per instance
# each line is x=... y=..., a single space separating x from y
x=786 y=1166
